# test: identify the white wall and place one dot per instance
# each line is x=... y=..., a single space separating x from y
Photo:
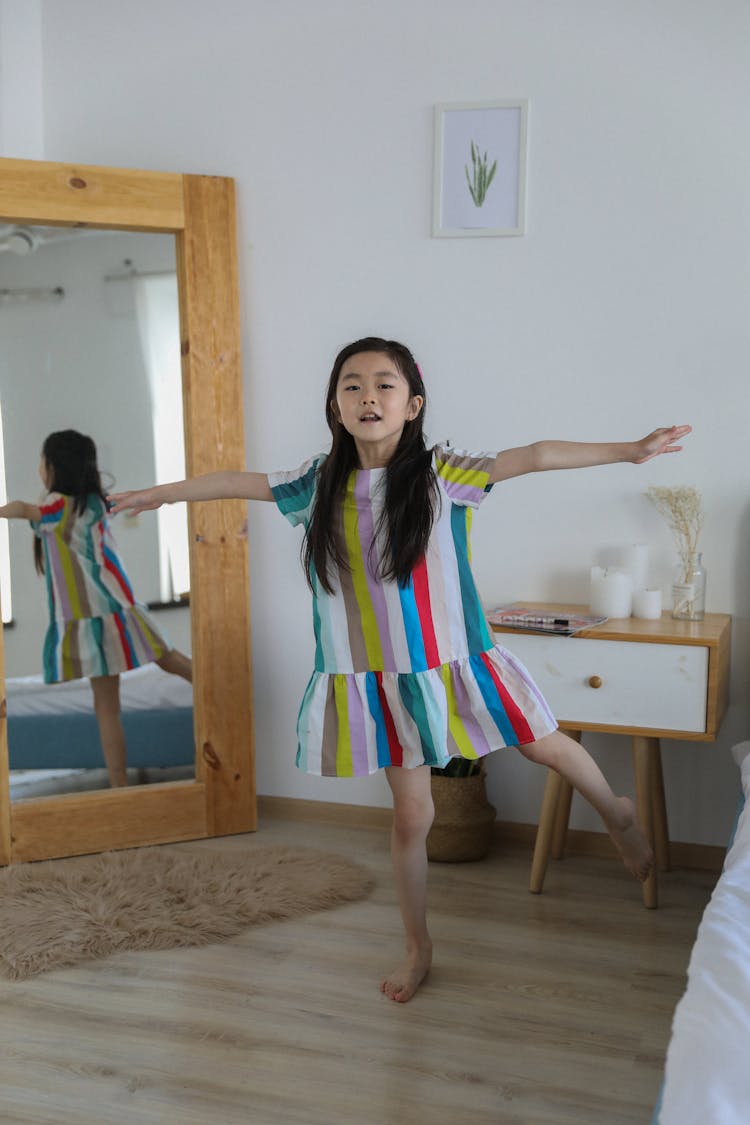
x=21 y=110
x=621 y=309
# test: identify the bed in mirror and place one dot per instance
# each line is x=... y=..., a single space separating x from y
x=118 y=294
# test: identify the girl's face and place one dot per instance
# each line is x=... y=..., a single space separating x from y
x=373 y=403
x=44 y=472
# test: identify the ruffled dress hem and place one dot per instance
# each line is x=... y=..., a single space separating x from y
x=102 y=646
x=355 y=724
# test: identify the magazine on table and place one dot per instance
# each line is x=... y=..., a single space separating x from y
x=525 y=618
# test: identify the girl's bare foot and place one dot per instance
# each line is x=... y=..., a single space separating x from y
x=404 y=981
x=630 y=839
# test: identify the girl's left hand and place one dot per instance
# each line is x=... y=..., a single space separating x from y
x=19 y=510
x=660 y=441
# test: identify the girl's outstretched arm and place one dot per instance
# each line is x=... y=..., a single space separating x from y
x=578 y=454
x=224 y=485
x=20 y=510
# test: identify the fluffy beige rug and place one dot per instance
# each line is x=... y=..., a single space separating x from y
x=65 y=911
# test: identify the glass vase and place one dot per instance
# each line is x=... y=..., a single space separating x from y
x=689 y=591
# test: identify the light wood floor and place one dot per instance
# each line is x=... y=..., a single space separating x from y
x=546 y=1010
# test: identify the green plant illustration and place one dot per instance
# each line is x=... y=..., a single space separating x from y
x=480 y=178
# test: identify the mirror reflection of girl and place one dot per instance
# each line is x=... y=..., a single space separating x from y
x=97 y=628
x=406 y=671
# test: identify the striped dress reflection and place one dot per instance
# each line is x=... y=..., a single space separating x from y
x=406 y=675
x=97 y=628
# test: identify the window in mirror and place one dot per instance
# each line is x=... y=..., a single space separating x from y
x=157 y=312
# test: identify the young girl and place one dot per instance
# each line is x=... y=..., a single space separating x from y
x=97 y=628
x=406 y=672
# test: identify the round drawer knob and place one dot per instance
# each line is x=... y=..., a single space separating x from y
x=595 y=681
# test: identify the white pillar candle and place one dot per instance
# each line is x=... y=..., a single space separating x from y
x=611 y=592
x=636 y=564
x=647 y=603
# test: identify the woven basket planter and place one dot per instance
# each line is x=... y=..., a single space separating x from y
x=464 y=819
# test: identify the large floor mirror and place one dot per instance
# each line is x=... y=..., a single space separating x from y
x=119 y=310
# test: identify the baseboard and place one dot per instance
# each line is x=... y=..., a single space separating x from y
x=330 y=812
x=700 y=857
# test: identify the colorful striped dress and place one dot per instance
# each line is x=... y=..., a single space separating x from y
x=406 y=675
x=96 y=626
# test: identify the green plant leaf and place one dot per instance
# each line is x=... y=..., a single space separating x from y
x=460 y=767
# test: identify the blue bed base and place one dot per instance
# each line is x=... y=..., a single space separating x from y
x=157 y=738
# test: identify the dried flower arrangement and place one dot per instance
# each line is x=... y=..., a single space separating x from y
x=682 y=509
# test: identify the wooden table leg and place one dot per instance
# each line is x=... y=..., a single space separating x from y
x=641 y=762
x=658 y=805
x=545 y=831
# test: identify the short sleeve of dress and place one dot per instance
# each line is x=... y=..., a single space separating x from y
x=52 y=510
x=294 y=491
x=464 y=477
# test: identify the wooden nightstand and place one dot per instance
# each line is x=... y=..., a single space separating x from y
x=647 y=679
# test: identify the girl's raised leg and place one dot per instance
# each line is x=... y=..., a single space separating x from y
x=412 y=816
x=576 y=765
x=107 y=708
x=177 y=663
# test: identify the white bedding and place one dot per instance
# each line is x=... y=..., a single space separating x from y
x=143 y=689
x=707 y=1079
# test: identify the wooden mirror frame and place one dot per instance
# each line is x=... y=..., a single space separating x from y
x=200 y=212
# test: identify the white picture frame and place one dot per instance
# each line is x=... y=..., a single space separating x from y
x=479 y=174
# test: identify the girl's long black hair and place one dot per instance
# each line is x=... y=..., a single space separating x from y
x=411 y=487
x=71 y=462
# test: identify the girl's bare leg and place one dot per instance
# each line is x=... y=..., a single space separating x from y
x=576 y=765
x=107 y=708
x=412 y=816
x=178 y=664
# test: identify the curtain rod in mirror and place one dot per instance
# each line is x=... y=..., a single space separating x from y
x=23 y=296
x=130 y=274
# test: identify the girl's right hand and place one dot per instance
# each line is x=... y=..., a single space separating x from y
x=138 y=500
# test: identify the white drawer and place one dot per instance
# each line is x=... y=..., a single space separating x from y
x=659 y=686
